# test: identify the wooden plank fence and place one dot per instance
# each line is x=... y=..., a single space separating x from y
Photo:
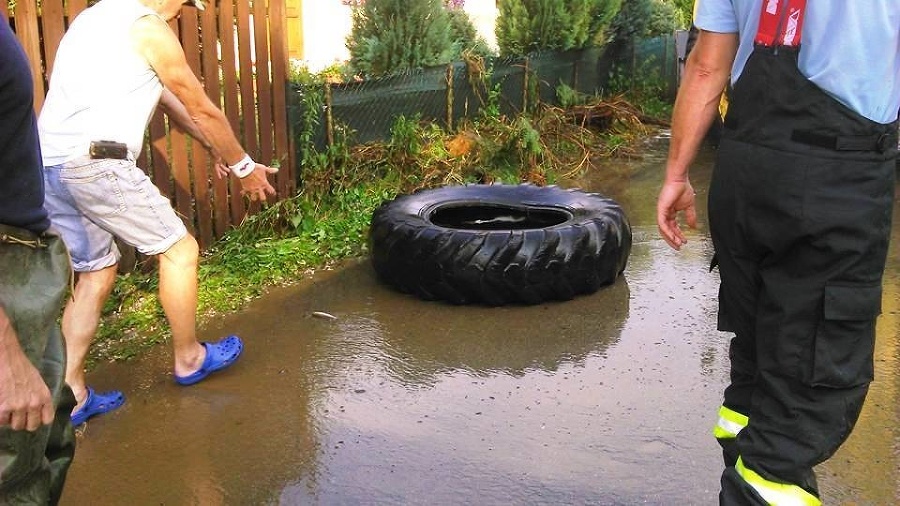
x=238 y=49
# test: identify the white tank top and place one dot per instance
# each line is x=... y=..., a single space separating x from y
x=100 y=87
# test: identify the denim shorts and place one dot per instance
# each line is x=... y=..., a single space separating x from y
x=92 y=202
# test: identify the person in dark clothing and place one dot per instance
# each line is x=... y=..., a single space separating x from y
x=800 y=208
x=36 y=439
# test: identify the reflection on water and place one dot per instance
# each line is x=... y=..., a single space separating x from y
x=484 y=341
x=607 y=399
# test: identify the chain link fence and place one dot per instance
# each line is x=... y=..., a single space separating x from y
x=365 y=111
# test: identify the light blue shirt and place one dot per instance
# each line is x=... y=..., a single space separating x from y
x=849 y=48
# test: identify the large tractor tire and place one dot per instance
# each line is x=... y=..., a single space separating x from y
x=499 y=244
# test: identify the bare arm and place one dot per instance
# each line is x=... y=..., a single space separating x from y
x=157 y=43
x=706 y=74
x=25 y=400
x=178 y=113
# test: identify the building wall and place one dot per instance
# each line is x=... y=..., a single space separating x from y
x=326 y=25
x=484 y=16
x=293 y=10
x=318 y=29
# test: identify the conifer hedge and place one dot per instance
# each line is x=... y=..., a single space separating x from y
x=390 y=36
x=527 y=26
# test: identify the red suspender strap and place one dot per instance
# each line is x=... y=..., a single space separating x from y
x=781 y=22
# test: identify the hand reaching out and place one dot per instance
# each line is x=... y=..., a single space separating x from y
x=256 y=184
x=221 y=167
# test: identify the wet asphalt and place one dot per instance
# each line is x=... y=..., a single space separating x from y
x=608 y=399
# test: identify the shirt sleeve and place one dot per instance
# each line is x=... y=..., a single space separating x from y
x=715 y=16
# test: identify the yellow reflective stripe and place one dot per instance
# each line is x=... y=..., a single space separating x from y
x=774 y=493
x=730 y=423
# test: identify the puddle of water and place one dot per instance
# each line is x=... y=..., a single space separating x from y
x=606 y=399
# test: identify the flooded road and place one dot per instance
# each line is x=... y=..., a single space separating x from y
x=608 y=399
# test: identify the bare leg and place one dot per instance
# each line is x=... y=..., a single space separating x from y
x=178 y=296
x=79 y=324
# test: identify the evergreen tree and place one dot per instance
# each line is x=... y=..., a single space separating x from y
x=685 y=10
x=465 y=34
x=395 y=35
x=525 y=26
x=639 y=19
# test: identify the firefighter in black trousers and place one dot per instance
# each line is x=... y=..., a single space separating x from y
x=800 y=209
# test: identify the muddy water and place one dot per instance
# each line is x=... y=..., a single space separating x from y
x=607 y=399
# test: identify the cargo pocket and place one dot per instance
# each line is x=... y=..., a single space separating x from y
x=845 y=339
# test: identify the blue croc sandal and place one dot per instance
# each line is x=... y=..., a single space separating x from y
x=97 y=404
x=219 y=355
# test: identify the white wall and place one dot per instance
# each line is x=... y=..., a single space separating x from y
x=327 y=23
x=484 y=16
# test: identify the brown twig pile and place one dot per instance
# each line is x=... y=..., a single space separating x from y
x=554 y=140
x=603 y=114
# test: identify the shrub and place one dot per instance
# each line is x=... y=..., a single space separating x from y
x=465 y=35
x=685 y=11
x=526 y=26
x=639 y=19
x=391 y=36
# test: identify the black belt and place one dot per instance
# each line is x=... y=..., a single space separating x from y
x=880 y=142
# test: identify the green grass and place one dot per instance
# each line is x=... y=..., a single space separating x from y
x=243 y=264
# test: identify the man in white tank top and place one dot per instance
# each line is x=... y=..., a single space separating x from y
x=116 y=63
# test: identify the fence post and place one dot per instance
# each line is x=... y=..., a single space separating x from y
x=665 y=62
x=525 y=86
x=673 y=67
x=329 y=117
x=449 y=97
x=633 y=62
x=575 y=73
x=28 y=32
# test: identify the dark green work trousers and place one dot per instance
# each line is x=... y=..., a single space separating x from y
x=35 y=276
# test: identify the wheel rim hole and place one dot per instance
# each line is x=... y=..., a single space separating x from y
x=489 y=217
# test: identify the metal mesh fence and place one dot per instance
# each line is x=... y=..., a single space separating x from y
x=448 y=94
x=369 y=108
x=653 y=60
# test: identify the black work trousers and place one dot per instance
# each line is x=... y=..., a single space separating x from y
x=801 y=235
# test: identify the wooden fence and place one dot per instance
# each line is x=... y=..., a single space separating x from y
x=238 y=49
